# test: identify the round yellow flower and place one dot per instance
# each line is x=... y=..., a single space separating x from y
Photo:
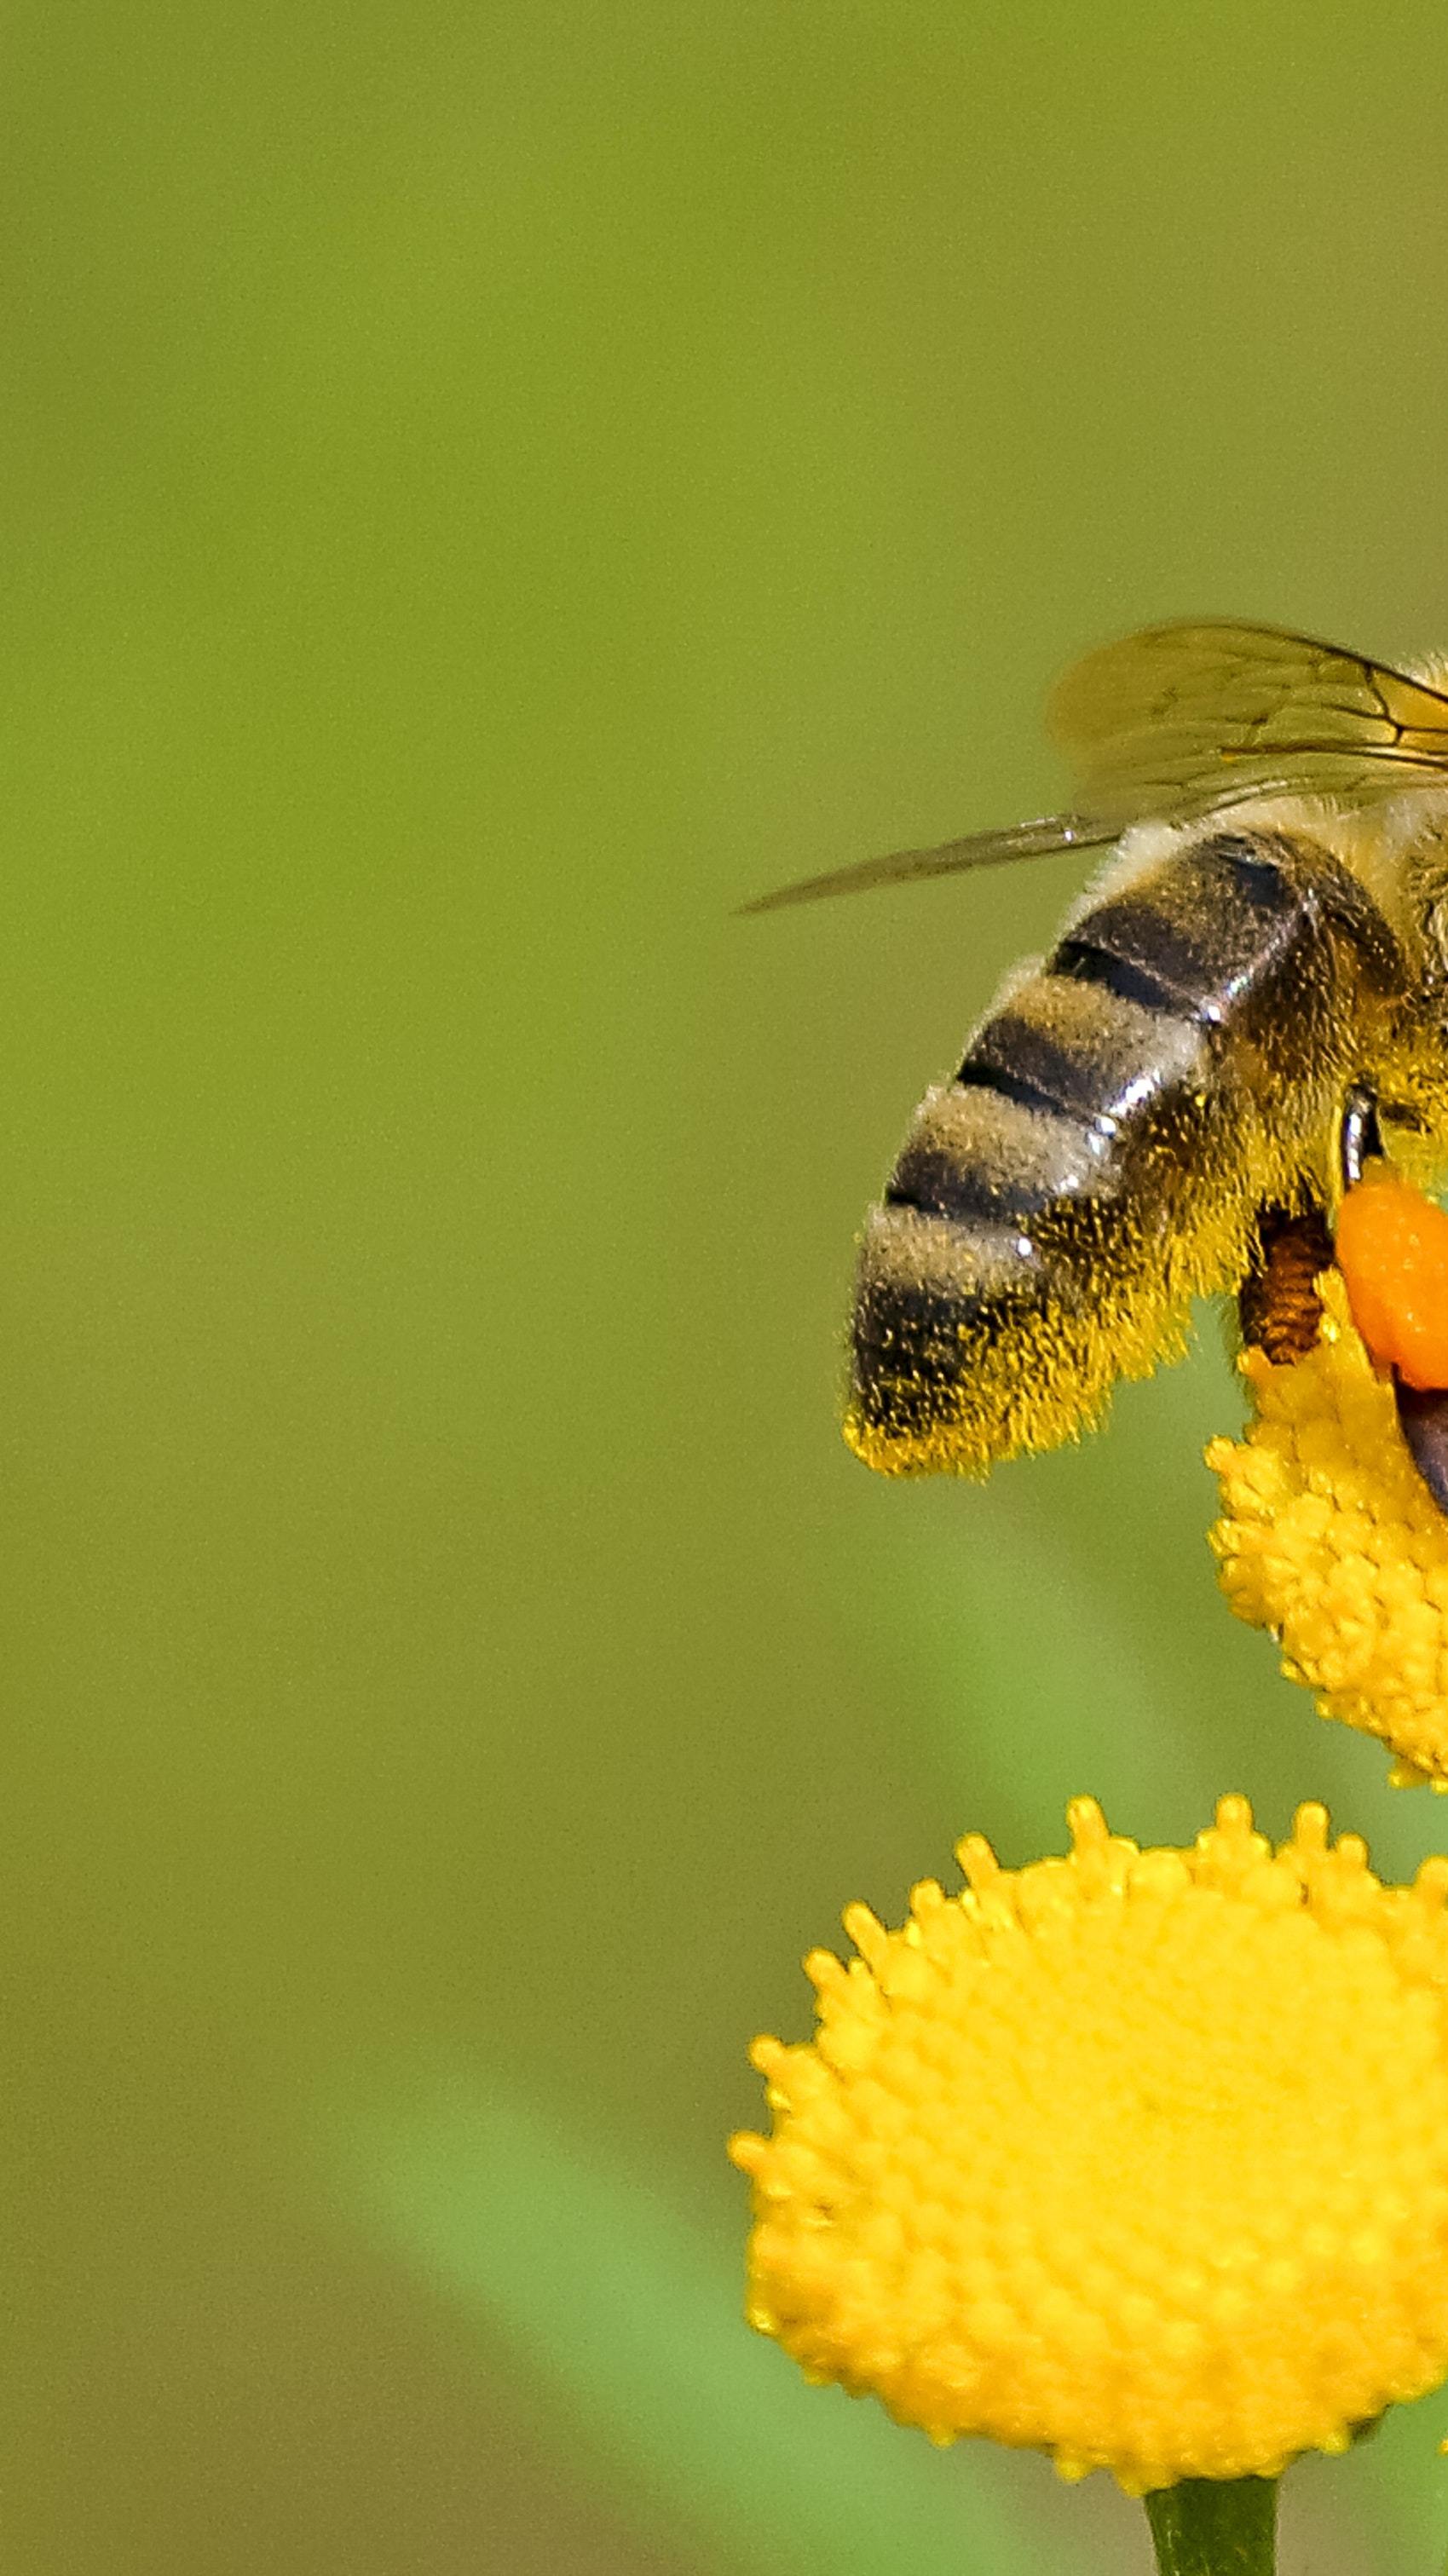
x=1139 y=2157
x=1330 y=1539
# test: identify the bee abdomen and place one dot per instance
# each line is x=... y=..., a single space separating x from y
x=993 y=1152
x=1200 y=937
x=1055 y=1203
x=1053 y=1092
x=999 y=1211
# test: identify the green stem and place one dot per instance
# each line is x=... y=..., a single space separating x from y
x=1215 y=2527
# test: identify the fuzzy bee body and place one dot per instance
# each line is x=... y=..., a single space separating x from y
x=1134 y=1109
x=1103 y=1150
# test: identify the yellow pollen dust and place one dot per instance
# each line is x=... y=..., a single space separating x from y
x=1330 y=1539
x=1140 y=2157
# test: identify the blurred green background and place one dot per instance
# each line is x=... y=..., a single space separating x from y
x=485 y=490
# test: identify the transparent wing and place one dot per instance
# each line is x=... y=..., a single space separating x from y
x=979 y=850
x=1181 y=719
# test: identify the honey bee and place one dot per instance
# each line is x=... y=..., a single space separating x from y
x=1164 y=1106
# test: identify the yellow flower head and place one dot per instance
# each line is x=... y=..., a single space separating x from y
x=1330 y=1539
x=1140 y=2157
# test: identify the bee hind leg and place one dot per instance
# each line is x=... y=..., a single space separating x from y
x=1278 y=1307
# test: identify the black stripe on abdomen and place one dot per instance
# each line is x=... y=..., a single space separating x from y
x=993 y=1149
x=1130 y=981
x=1202 y=936
x=1029 y=1063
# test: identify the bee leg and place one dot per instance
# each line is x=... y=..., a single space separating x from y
x=1423 y=1418
x=1359 y=1137
x=1278 y=1307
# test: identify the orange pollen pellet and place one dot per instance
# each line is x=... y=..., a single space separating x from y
x=1392 y=1250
